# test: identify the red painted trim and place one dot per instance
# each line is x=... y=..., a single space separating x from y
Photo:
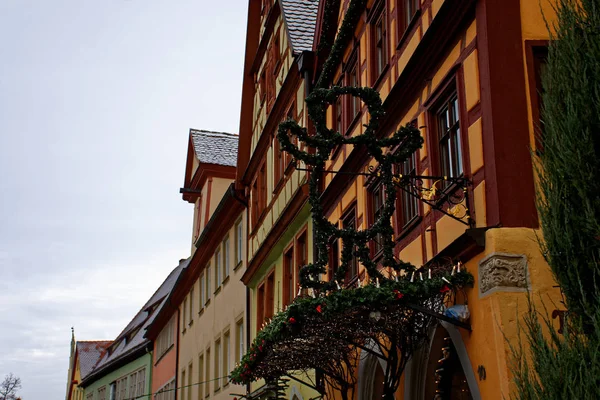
x=505 y=124
x=248 y=89
x=262 y=47
x=274 y=117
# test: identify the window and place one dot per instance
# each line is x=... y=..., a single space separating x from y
x=200 y=376
x=408 y=208
x=260 y=308
x=349 y=222
x=198 y=219
x=207 y=374
x=218 y=356
x=183 y=391
x=218 y=269
x=448 y=125
x=226 y=363
x=288 y=276
x=191 y=305
x=338 y=112
x=276 y=54
x=354 y=80
x=377 y=201
x=239 y=237
x=137 y=383
x=270 y=296
x=113 y=391
x=278 y=161
x=207 y=276
x=259 y=194
x=255 y=203
x=133 y=385
x=380 y=42
x=102 y=393
x=167 y=392
x=406 y=12
x=189 y=382
x=301 y=251
x=120 y=389
x=537 y=54
x=184 y=313
x=202 y=294
x=334 y=257
x=89 y=396
x=165 y=339
x=263 y=85
x=226 y=256
x=291 y=115
x=239 y=340
x=141 y=382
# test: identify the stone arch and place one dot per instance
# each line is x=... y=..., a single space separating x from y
x=417 y=370
x=370 y=374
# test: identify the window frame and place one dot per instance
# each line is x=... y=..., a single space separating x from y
x=217 y=365
x=448 y=139
x=379 y=32
x=350 y=215
x=403 y=219
x=226 y=258
x=289 y=269
x=239 y=243
x=374 y=189
x=407 y=13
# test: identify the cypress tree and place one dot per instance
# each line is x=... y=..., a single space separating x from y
x=567 y=366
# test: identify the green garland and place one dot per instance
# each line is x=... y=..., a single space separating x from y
x=327 y=299
x=286 y=323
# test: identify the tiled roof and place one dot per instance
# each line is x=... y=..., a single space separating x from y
x=301 y=18
x=132 y=337
x=215 y=147
x=88 y=353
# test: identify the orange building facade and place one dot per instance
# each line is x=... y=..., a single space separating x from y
x=467 y=75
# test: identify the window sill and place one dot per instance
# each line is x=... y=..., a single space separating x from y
x=183 y=331
x=158 y=360
x=407 y=228
x=382 y=75
x=207 y=303
x=353 y=124
x=217 y=291
x=239 y=264
x=225 y=280
x=191 y=323
x=201 y=311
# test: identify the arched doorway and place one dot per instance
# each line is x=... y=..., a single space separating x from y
x=370 y=376
x=441 y=371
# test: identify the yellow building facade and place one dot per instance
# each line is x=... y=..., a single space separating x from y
x=466 y=74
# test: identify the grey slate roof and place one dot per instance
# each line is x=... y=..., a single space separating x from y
x=88 y=353
x=215 y=147
x=301 y=19
x=132 y=337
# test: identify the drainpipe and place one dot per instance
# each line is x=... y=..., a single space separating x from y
x=177 y=358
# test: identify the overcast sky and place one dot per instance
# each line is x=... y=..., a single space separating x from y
x=96 y=99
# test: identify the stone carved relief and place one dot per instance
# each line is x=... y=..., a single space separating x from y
x=503 y=271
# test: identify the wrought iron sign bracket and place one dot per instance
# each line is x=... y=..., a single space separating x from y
x=446 y=194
